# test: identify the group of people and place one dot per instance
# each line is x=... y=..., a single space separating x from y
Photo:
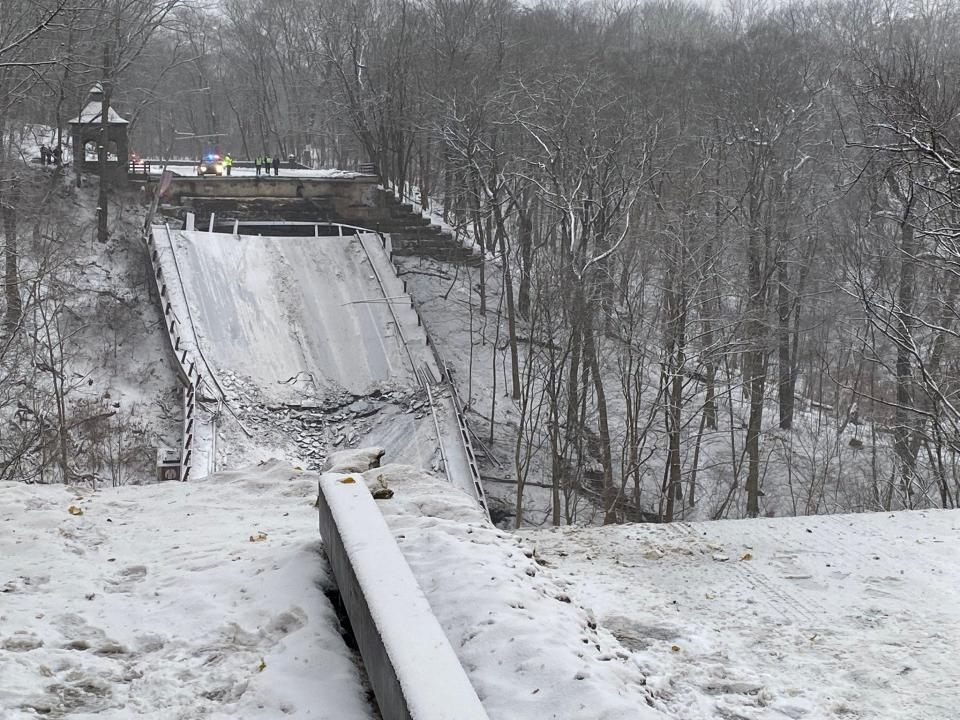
x=265 y=162
x=50 y=157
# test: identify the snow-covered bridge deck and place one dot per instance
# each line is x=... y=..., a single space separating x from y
x=300 y=320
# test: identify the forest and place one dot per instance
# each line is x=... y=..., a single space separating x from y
x=720 y=244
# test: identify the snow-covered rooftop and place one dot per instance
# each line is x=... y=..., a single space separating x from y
x=92 y=112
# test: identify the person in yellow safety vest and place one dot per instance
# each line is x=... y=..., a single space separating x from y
x=228 y=162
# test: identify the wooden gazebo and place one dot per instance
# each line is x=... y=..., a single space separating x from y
x=86 y=130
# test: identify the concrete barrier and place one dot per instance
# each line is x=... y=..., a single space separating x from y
x=344 y=192
x=414 y=672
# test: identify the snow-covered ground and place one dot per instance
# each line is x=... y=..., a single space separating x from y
x=530 y=650
x=118 y=383
x=198 y=600
x=206 y=600
x=844 y=616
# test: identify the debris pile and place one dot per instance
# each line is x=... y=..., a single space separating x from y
x=315 y=427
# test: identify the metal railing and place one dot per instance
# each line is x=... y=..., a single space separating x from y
x=139 y=168
x=463 y=430
x=186 y=368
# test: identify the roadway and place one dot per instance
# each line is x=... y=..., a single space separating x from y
x=301 y=321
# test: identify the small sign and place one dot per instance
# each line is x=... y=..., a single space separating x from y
x=168 y=456
x=169 y=474
x=168 y=464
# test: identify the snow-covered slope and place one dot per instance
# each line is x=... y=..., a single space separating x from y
x=530 y=650
x=201 y=600
x=845 y=616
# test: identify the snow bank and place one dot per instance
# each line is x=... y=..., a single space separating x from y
x=353 y=461
x=530 y=652
x=197 y=600
x=853 y=616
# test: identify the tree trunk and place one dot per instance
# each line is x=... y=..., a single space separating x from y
x=449 y=185
x=478 y=234
x=755 y=365
x=573 y=429
x=903 y=334
x=525 y=237
x=711 y=305
x=677 y=322
x=785 y=362
x=511 y=312
x=11 y=276
x=103 y=199
x=425 y=179
x=610 y=492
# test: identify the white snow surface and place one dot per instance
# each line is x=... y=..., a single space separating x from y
x=194 y=600
x=92 y=113
x=842 y=616
x=281 y=310
x=531 y=652
x=295 y=320
x=352 y=461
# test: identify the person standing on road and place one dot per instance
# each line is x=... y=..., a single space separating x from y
x=228 y=163
x=267 y=160
x=258 y=163
x=276 y=165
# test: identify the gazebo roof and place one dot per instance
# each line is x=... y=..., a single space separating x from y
x=92 y=111
x=90 y=115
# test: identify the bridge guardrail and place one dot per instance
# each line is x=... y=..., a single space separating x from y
x=186 y=369
x=138 y=169
x=463 y=430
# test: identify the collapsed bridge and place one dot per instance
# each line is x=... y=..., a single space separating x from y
x=303 y=319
